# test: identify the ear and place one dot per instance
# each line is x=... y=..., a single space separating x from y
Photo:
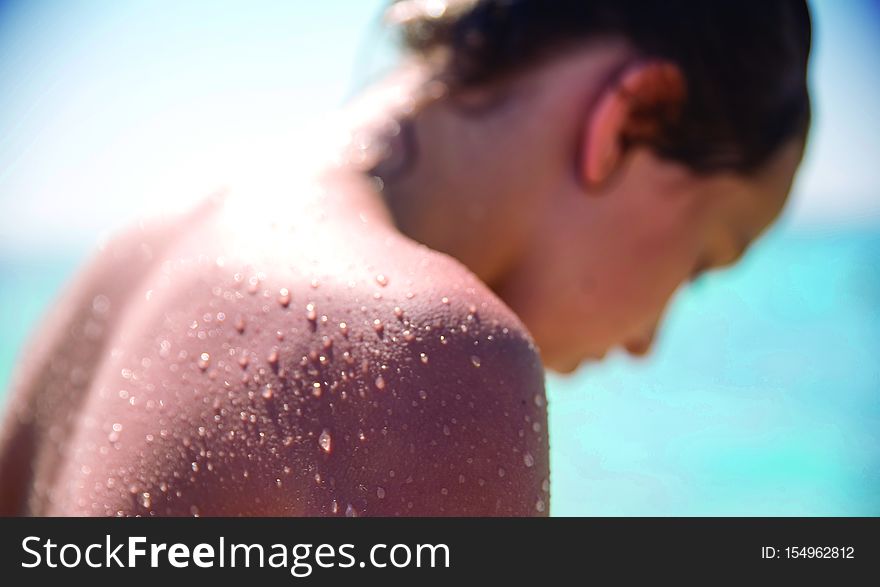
x=632 y=108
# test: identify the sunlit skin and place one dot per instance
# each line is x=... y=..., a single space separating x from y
x=336 y=349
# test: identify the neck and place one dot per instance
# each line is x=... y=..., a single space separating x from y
x=399 y=161
x=465 y=174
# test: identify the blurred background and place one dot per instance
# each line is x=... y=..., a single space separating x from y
x=763 y=396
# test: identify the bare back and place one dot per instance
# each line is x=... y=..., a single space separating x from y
x=323 y=365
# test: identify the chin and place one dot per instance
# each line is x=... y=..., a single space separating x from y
x=564 y=366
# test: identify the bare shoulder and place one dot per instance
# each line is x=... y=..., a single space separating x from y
x=376 y=379
x=55 y=372
x=452 y=408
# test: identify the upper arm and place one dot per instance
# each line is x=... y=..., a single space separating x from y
x=463 y=434
x=442 y=413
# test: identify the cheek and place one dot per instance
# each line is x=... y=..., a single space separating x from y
x=553 y=291
x=646 y=265
x=588 y=286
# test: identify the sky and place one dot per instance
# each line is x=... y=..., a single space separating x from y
x=111 y=108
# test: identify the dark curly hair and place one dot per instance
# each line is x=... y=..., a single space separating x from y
x=744 y=61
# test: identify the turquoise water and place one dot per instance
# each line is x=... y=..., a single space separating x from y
x=761 y=399
x=29 y=282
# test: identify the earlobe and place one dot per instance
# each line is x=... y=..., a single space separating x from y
x=628 y=109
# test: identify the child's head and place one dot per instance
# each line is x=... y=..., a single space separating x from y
x=598 y=153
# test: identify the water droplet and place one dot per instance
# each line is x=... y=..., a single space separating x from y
x=536 y=427
x=540 y=505
x=423 y=394
x=146 y=501
x=444 y=300
x=423 y=358
x=350 y=512
x=539 y=400
x=475 y=360
x=380 y=493
x=382 y=280
x=284 y=297
x=380 y=383
x=253 y=284
x=204 y=361
x=446 y=431
x=545 y=485
x=100 y=304
x=325 y=442
x=194 y=466
x=528 y=460
x=501 y=472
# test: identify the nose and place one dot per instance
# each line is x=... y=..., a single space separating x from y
x=641 y=345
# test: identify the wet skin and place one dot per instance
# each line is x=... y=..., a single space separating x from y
x=201 y=367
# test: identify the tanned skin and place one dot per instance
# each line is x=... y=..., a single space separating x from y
x=346 y=345
x=325 y=368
